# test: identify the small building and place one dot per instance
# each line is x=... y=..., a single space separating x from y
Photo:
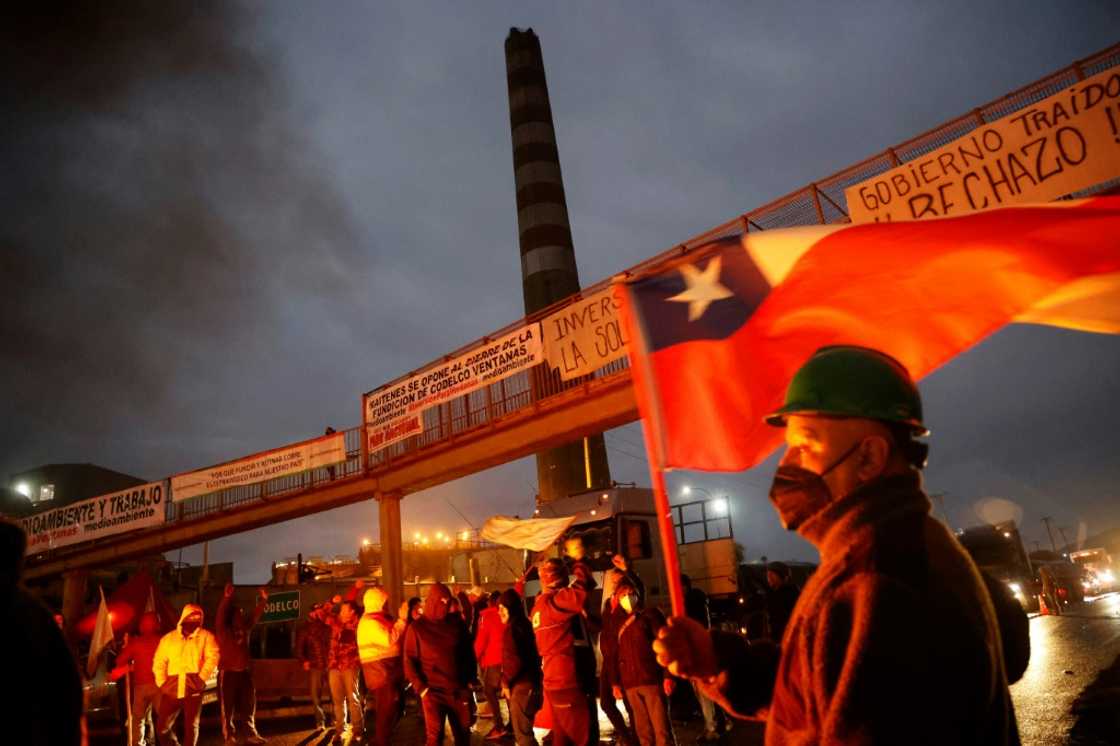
x=55 y=485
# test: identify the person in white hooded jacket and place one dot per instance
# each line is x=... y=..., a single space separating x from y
x=186 y=657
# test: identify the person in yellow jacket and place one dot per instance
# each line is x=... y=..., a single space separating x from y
x=379 y=649
x=185 y=658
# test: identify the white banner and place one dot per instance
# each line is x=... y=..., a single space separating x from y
x=1058 y=146
x=585 y=336
x=393 y=413
x=311 y=454
x=114 y=513
x=537 y=534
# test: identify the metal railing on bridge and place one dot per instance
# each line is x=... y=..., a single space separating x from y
x=821 y=202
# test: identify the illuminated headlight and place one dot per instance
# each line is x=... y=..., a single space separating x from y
x=1016 y=588
x=1106 y=576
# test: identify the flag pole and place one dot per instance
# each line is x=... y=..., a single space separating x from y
x=651 y=433
x=668 y=539
x=128 y=701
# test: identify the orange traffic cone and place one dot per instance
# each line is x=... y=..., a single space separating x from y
x=1042 y=607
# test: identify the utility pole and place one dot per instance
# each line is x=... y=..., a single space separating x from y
x=1065 y=541
x=1046 y=520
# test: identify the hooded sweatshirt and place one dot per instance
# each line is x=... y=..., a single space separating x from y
x=437 y=647
x=379 y=635
x=180 y=655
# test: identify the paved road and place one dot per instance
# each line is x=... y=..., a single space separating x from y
x=1069 y=695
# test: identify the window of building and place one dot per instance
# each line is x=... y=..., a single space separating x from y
x=636 y=540
x=46 y=492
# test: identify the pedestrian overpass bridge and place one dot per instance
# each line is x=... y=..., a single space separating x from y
x=516 y=416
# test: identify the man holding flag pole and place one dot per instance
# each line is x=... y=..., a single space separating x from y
x=895 y=637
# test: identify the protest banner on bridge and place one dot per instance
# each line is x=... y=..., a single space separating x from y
x=585 y=336
x=1058 y=146
x=97 y=517
x=392 y=413
x=311 y=454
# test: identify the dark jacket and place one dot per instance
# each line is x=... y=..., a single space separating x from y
x=437 y=648
x=521 y=663
x=232 y=629
x=313 y=643
x=613 y=619
x=779 y=608
x=696 y=606
x=634 y=663
x=894 y=639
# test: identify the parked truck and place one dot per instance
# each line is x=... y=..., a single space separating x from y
x=998 y=550
x=1100 y=574
x=623 y=519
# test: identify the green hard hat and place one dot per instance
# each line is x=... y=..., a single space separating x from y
x=847 y=381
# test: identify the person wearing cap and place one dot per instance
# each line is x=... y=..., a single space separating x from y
x=780 y=599
x=379 y=649
x=894 y=638
x=556 y=618
x=312 y=646
x=440 y=664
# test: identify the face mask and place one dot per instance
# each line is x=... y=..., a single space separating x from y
x=798 y=493
x=190 y=626
x=627 y=603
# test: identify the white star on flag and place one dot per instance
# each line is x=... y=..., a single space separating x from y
x=702 y=288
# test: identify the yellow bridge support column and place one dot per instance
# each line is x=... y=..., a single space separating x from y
x=392 y=564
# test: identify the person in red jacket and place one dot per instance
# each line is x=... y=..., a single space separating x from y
x=488 y=650
x=440 y=664
x=236 y=694
x=556 y=612
x=136 y=658
x=634 y=671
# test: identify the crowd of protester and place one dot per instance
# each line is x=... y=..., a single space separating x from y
x=502 y=656
x=566 y=649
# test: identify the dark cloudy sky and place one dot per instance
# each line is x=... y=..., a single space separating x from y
x=223 y=222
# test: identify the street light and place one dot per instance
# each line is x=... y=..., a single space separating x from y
x=366 y=542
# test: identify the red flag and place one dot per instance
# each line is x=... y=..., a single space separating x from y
x=718 y=335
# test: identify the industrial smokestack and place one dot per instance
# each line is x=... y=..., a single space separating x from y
x=548 y=259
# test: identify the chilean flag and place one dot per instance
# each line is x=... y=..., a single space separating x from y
x=717 y=335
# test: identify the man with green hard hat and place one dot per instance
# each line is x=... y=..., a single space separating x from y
x=894 y=638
